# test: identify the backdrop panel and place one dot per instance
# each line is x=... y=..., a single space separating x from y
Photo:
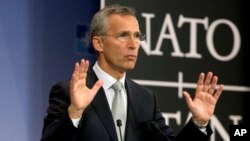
x=184 y=38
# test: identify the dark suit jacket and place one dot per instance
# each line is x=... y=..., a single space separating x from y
x=97 y=123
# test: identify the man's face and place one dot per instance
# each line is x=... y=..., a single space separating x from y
x=120 y=45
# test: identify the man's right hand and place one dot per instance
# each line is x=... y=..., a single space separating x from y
x=80 y=95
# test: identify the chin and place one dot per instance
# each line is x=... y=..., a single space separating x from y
x=130 y=68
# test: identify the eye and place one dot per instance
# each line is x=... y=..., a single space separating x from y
x=123 y=35
x=137 y=35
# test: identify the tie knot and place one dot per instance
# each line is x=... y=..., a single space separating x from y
x=117 y=86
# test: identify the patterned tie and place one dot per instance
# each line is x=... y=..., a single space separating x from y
x=118 y=110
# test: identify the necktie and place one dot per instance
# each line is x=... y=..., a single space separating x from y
x=118 y=110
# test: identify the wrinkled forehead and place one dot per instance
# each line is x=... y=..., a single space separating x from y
x=124 y=23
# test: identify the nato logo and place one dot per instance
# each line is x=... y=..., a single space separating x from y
x=239 y=132
x=83 y=44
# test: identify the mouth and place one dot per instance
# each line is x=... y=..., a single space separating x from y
x=131 y=57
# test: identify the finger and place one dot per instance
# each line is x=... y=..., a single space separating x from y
x=213 y=85
x=188 y=98
x=75 y=72
x=199 y=86
x=72 y=83
x=76 y=69
x=97 y=86
x=85 y=71
x=84 y=65
x=207 y=81
x=77 y=76
x=218 y=92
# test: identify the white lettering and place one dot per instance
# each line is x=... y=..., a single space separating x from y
x=168 y=32
x=193 y=33
x=168 y=25
x=237 y=132
x=240 y=132
x=216 y=125
x=176 y=116
x=210 y=43
x=243 y=131
x=235 y=119
x=147 y=44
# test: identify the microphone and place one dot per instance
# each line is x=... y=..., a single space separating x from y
x=156 y=126
x=119 y=124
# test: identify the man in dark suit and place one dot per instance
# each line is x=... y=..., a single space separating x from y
x=81 y=109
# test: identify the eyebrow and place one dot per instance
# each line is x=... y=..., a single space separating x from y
x=129 y=32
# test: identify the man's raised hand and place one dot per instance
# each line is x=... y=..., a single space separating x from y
x=80 y=95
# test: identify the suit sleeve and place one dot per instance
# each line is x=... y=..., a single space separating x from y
x=191 y=132
x=57 y=124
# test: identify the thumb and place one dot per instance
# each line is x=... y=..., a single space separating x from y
x=188 y=98
x=97 y=86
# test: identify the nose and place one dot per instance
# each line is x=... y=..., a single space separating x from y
x=133 y=44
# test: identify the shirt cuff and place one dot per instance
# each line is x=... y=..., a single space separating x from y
x=202 y=128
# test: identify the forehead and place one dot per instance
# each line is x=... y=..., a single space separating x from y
x=118 y=23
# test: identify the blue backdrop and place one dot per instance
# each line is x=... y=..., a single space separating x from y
x=39 y=43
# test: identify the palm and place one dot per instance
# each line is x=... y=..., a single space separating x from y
x=81 y=96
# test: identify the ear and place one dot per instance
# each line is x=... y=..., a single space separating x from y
x=97 y=43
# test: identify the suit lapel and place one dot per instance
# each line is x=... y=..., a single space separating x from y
x=100 y=105
x=131 y=120
x=136 y=130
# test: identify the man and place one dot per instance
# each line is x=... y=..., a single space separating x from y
x=84 y=108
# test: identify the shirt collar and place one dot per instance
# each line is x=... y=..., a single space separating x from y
x=106 y=78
